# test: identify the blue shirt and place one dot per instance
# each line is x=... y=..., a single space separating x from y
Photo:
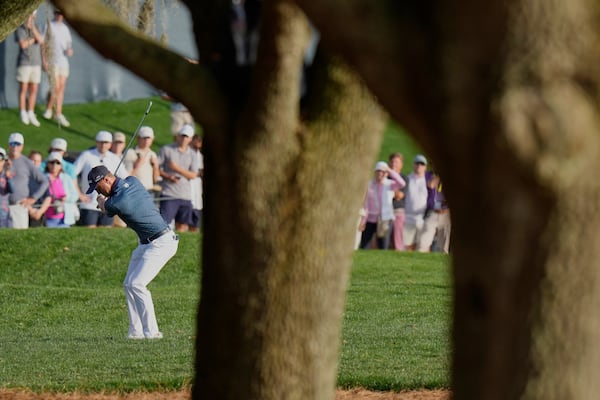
x=131 y=201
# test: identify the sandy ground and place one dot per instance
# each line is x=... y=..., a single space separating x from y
x=356 y=394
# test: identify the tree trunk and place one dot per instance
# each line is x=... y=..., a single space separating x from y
x=280 y=220
x=526 y=318
x=504 y=96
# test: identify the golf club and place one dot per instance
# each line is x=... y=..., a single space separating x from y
x=133 y=137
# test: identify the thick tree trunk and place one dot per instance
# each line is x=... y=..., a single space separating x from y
x=280 y=225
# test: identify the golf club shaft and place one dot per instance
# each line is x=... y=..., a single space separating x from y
x=133 y=137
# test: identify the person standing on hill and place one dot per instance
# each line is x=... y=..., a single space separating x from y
x=130 y=200
x=29 y=68
x=58 y=38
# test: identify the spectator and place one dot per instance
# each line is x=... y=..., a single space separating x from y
x=29 y=68
x=36 y=158
x=4 y=192
x=58 y=38
x=99 y=155
x=416 y=202
x=196 y=185
x=378 y=206
x=27 y=183
x=396 y=162
x=118 y=144
x=60 y=200
x=436 y=229
x=142 y=161
x=178 y=166
x=59 y=145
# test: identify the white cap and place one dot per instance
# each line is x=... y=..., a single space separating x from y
x=146 y=132
x=3 y=153
x=420 y=158
x=186 y=130
x=16 y=137
x=59 y=144
x=104 y=136
x=382 y=166
x=55 y=156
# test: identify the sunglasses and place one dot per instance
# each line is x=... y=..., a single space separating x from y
x=53 y=162
x=15 y=144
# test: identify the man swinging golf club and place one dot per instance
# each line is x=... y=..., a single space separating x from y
x=128 y=199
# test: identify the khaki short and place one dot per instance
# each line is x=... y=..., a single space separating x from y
x=29 y=74
x=59 y=70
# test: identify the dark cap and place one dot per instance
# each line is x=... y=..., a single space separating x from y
x=95 y=176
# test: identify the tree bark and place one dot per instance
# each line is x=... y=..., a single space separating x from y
x=279 y=247
x=510 y=117
x=14 y=13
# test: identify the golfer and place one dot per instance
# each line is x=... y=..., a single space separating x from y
x=130 y=200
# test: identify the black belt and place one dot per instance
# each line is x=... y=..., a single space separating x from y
x=155 y=236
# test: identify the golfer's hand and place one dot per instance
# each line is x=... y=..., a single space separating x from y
x=101 y=200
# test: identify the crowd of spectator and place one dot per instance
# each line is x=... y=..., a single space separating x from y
x=404 y=213
x=52 y=192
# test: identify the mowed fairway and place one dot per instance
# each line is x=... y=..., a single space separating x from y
x=64 y=320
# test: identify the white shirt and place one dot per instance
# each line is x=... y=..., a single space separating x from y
x=60 y=41
x=416 y=198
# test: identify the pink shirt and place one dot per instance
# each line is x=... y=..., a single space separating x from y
x=57 y=192
x=374 y=202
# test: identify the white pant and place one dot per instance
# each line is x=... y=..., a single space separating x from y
x=146 y=262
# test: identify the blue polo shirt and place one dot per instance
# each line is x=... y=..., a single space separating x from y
x=131 y=201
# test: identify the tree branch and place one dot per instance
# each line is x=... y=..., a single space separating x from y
x=14 y=13
x=191 y=84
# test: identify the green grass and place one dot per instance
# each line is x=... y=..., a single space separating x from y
x=64 y=319
x=87 y=119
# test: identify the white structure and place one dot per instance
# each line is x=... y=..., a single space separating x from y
x=93 y=77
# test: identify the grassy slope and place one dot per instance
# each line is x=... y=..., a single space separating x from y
x=64 y=318
x=87 y=119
